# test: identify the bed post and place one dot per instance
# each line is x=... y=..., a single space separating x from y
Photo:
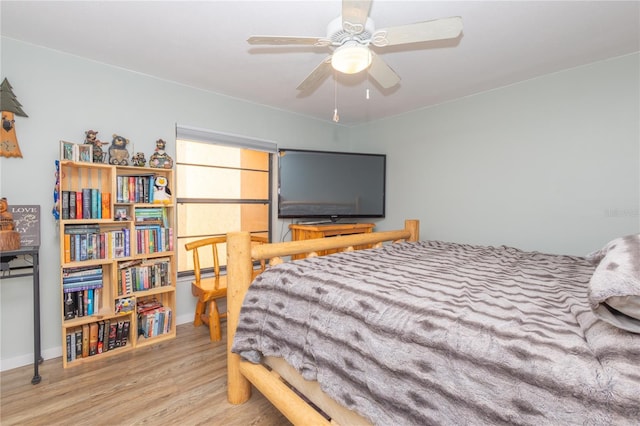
x=239 y=272
x=413 y=226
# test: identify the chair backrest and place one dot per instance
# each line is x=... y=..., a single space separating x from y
x=198 y=244
x=213 y=242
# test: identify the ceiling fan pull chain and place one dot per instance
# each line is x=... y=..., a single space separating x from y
x=336 y=117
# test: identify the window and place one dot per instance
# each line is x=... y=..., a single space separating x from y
x=221 y=187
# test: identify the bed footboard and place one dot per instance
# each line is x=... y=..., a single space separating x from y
x=240 y=257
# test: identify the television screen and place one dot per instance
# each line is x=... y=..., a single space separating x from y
x=330 y=185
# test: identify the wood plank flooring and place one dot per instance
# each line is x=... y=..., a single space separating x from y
x=178 y=382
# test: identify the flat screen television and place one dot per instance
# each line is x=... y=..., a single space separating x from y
x=330 y=185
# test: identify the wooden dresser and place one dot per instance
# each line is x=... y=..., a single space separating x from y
x=301 y=232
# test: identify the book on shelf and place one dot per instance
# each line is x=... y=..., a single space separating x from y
x=125 y=333
x=85 y=302
x=86 y=203
x=79 y=307
x=78 y=205
x=113 y=332
x=106 y=205
x=65 y=204
x=89 y=295
x=103 y=338
x=93 y=338
x=71 y=279
x=133 y=195
x=90 y=286
x=100 y=341
x=119 y=329
x=69 y=306
x=81 y=271
x=80 y=229
x=70 y=354
x=85 y=340
x=96 y=204
x=72 y=205
x=72 y=344
x=67 y=248
x=78 y=348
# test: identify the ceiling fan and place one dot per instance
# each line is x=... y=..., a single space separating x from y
x=350 y=36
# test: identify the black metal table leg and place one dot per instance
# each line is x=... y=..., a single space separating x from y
x=37 y=358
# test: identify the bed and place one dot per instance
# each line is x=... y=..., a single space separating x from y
x=430 y=332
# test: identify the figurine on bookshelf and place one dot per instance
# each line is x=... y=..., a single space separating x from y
x=118 y=153
x=161 y=192
x=125 y=305
x=160 y=159
x=91 y=138
x=138 y=159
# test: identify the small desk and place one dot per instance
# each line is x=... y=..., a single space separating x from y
x=34 y=272
x=307 y=232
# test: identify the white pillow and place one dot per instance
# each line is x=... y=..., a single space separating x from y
x=614 y=288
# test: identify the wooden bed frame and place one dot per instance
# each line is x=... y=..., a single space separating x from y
x=241 y=256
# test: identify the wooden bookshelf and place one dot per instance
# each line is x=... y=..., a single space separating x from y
x=117 y=257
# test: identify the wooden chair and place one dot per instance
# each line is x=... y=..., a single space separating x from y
x=208 y=290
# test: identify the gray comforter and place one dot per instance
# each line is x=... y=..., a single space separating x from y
x=443 y=333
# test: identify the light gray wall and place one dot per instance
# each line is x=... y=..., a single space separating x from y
x=64 y=96
x=550 y=164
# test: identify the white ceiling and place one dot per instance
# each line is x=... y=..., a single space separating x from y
x=203 y=44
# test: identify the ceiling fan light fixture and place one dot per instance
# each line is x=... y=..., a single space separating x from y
x=351 y=58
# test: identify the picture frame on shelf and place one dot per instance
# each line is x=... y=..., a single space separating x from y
x=121 y=213
x=85 y=153
x=68 y=151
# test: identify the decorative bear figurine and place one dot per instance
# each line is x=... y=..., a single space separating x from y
x=91 y=138
x=118 y=153
x=160 y=159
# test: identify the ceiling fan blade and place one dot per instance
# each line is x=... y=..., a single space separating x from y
x=284 y=40
x=438 y=29
x=317 y=76
x=382 y=73
x=354 y=15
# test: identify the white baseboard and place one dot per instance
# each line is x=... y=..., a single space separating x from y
x=27 y=359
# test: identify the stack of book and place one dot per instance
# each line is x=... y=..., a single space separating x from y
x=140 y=275
x=96 y=338
x=82 y=291
x=89 y=203
x=135 y=189
x=86 y=242
x=154 y=319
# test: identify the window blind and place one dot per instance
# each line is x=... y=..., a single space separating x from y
x=208 y=136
